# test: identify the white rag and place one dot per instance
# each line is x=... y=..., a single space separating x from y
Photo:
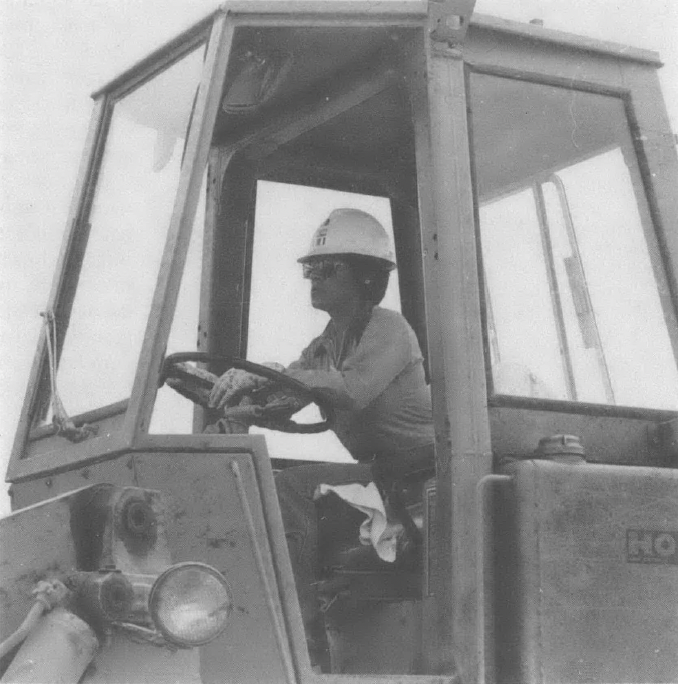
x=375 y=529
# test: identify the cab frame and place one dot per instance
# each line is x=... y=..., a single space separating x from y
x=435 y=220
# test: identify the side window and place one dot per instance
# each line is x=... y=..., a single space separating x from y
x=281 y=319
x=576 y=298
x=130 y=214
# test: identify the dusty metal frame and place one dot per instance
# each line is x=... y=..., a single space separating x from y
x=165 y=55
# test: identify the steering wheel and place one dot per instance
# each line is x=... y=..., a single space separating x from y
x=196 y=384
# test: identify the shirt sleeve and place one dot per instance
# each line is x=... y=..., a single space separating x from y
x=386 y=348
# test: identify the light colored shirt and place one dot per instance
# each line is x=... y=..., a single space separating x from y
x=375 y=378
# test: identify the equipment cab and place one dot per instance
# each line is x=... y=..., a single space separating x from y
x=528 y=177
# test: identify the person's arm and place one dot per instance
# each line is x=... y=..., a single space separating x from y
x=385 y=350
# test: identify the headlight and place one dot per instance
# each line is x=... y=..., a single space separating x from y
x=190 y=604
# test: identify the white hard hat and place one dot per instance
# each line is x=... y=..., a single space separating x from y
x=351 y=231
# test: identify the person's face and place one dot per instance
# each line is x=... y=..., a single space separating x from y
x=333 y=287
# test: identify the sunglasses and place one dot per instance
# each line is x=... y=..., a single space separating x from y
x=322 y=268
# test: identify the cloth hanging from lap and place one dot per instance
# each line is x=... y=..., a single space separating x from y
x=376 y=530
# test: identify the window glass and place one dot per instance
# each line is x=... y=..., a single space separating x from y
x=281 y=319
x=576 y=299
x=129 y=220
x=520 y=302
x=173 y=413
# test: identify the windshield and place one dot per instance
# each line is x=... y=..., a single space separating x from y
x=129 y=219
x=577 y=304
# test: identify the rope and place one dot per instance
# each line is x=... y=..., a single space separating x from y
x=62 y=422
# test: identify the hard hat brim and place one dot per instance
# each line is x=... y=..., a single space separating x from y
x=385 y=263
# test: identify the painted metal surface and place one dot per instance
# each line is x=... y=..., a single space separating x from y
x=51 y=551
x=517 y=429
x=448 y=20
x=84 y=530
x=340 y=96
x=209 y=523
x=363 y=13
x=655 y=145
x=220 y=509
x=582 y=44
x=463 y=453
x=224 y=301
x=588 y=581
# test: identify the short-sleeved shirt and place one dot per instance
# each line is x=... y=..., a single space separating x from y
x=375 y=378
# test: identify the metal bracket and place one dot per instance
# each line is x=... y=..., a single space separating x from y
x=448 y=20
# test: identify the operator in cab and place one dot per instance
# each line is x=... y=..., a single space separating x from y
x=367 y=363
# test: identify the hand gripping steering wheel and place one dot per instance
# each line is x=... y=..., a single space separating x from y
x=196 y=385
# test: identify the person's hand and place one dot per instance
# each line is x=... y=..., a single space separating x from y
x=234 y=383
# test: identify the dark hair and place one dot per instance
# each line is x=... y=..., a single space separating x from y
x=371 y=274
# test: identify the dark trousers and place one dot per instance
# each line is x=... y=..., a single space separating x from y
x=296 y=487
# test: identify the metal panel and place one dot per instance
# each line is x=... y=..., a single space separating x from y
x=50 y=552
x=543 y=61
x=119 y=471
x=410 y=268
x=322 y=13
x=588 y=586
x=227 y=270
x=607 y=439
x=341 y=95
x=539 y=34
x=209 y=522
x=390 y=8
x=221 y=514
x=50 y=442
